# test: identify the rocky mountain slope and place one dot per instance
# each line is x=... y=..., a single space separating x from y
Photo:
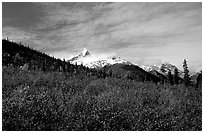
x=85 y=58
x=164 y=68
x=88 y=60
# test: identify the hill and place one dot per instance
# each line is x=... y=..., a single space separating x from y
x=18 y=55
x=12 y=51
x=131 y=72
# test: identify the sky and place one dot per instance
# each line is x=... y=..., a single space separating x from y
x=142 y=33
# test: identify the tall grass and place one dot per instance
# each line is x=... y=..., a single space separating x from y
x=58 y=101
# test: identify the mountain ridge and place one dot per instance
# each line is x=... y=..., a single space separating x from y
x=89 y=60
x=163 y=68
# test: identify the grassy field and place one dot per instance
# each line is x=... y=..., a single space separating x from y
x=58 y=101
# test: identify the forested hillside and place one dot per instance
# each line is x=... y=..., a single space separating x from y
x=18 y=55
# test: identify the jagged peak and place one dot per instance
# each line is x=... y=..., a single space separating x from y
x=84 y=52
x=116 y=57
x=168 y=65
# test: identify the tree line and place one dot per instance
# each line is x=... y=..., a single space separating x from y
x=175 y=79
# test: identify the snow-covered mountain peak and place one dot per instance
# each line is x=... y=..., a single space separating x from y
x=95 y=61
x=84 y=52
x=116 y=58
x=146 y=68
x=163 y=68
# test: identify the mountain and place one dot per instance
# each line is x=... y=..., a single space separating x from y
x=77 y=59
x=85 y=58
x=105 y=62
x=118 y=67
x=164 y=68
x=84 y=52
x=92 y=61
x=158 y=74
x=149 y=68
x=194 y=77
x=131 y=72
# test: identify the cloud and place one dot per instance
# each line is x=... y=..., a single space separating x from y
x=16 y=34
x=148 y=31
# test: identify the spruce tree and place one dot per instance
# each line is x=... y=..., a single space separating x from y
x=170 y=78
x=104 y=74
x=176 y=76
x=186 y=73
x=44 y=65
x=100 y=73
x=199 y=80
x=110 y=73
x=64 y=65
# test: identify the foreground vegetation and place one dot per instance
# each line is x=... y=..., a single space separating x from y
x=36 y=100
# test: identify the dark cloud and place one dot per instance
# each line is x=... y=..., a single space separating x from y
x=20 y=14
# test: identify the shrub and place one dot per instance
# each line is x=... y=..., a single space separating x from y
x=58 y=101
